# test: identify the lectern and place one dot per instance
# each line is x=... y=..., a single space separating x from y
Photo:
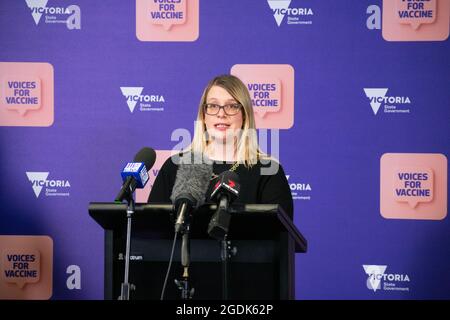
x=263 y=239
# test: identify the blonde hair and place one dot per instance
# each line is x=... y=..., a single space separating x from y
x=247 y=149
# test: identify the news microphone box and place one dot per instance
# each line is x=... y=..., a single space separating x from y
x=138 y=171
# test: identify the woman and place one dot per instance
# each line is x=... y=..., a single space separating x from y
x=225 y=133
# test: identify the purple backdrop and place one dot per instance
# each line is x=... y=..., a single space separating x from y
x=333 y=148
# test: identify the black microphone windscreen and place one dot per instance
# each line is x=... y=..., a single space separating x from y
x=191 y=182
x=147 y=156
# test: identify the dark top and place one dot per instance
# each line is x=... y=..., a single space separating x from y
x=255 y=187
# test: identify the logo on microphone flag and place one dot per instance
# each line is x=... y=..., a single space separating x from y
x=161 y=157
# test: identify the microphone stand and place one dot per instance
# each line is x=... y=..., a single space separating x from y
x=226 y=253
x=224 y=257
x=125 y=286
x=218 y=229
x=186 y=292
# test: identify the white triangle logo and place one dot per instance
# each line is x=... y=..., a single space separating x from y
x=37 y=180
x=373 y=94
x=131 y=93
x=277 y=6
x=36 y=4
x=374 y=272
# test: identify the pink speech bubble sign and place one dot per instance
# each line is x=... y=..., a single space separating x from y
x=21 y=266
x=167 y=13
x=284 y=118
x=265 y=93
x=416 y=13
x=21 y=93
x=413 y=185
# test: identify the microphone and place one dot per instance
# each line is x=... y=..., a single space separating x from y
x=135 y=174
x=188 y=193
x=225 y=191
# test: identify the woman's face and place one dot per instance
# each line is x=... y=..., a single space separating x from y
x=221 y=125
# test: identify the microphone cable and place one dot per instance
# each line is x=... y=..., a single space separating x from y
x=170 y=265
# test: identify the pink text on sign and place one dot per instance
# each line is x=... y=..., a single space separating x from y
x=21 y=93
x=265 y=94
x=271 y=88
x=413 y=185
x=416 y=13
x=21 y=266
x=167 y=12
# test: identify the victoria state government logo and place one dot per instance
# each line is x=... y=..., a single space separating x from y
x=146 y=102
x=70 y=15
x=39 y=181
x=378 y=98
x=293 y=13
x=378 y=279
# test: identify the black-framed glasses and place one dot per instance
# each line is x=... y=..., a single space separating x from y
x=229 y=109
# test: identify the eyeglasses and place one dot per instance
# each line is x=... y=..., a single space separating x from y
x=229 y=109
